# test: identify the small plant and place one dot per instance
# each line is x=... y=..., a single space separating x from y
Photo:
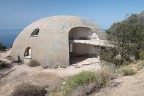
x=100 y=78
x=104 y=77
x=80 y=79
x=141 y=55
x=110 y=69
x=4 y=65
x=126 y=71
x=33 y=63
x=26 y=89
x=56 y=92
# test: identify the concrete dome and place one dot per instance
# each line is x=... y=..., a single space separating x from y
x=48 y=39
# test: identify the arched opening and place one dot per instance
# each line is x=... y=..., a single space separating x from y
x=27 y=53
x=80 y=33
x=35 y=32
x=79 y=50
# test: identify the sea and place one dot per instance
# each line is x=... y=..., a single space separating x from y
x=7 y=36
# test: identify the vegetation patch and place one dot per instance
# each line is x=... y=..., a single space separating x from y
x=86 y=82
x=57 y=91
x=2 y=47
x=4 y=65
x=84 y=78
x=33 y=63
x=127 y=36
x=26 y=89
x=126 y=71
x=141 y=55
x=110 y=69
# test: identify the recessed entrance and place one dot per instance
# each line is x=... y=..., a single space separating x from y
x=81 y=52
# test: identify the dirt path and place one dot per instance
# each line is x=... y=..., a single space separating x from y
x=130 y=86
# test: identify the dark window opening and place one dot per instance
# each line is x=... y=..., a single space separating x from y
x=27 y=53
x=35 y=32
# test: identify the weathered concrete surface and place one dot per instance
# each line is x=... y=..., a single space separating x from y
x=104 y=43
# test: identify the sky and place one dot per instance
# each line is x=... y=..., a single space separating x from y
x=17 y=14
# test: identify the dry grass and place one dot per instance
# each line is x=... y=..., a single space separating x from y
x=126 y=71
x=27 y=89
x=132 y=68
x=137 y=66
x=110 y=69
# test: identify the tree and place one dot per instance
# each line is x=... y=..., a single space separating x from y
x=128 y=37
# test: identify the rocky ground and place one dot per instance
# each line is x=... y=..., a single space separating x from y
x=20 y=73
x=14 y=74
x=127 y=86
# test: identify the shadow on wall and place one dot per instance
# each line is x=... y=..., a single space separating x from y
x=18 y=60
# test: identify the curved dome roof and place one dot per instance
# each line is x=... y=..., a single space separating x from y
x=55 y=24
x=67 y=21
x=63 y=24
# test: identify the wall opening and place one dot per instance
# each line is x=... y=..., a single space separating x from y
x=35 y=32
x=80 y=52
x=27 y=53
x=80 y=33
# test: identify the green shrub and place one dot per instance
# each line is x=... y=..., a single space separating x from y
x=99 y=78
x=126 y=71
x=80 y=79
x=141 y=55
x=26 y=89
x=33 y=63
x=108 y=54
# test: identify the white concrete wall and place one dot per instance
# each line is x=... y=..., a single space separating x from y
x=83 y=49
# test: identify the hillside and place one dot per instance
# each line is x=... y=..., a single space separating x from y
x=129 y=86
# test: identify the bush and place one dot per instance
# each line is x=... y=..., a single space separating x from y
x=80 y=79
x=141 y=55
x=2 y=47
x=110 y=69
x=4 y=65
x=33 y=63
x=108 y=54
x=126 y=71
x=100 y=79
x=127 y=37
x=26 y=89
